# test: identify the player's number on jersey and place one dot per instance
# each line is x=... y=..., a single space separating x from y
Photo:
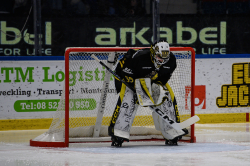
x=129 y=79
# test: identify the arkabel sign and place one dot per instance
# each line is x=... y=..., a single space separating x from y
x=206 y=34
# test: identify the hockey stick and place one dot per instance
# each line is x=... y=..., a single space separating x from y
x=162 y=114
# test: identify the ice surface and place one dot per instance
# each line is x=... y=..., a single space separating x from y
x=217 y=145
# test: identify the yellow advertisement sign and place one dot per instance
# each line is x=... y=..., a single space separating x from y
x=236 y=94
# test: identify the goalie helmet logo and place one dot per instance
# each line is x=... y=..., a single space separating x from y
x=156 y=49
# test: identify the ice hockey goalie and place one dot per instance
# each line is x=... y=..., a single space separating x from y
x=148 y=70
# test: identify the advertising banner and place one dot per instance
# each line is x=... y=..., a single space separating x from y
x=33 y=89
x=222 y=85
x=30 y=88
x=206 y=34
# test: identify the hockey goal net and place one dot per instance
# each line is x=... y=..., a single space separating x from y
x=89 y=98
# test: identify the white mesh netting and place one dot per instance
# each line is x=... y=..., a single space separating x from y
x=86 y=78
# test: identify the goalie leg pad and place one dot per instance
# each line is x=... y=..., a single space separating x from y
x=123 y=115
x=170 y=107
x=167 y=131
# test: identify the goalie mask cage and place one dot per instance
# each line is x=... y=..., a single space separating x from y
x=89 y=98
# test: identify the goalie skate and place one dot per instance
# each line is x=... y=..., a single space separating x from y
x=117 y=141
x=176 y=139
x=173 y=142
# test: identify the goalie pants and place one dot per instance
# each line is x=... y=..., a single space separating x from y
x=125 y=110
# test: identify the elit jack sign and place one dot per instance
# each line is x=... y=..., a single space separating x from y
x=236 y=94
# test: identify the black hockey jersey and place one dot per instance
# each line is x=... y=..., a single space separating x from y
x=139 y=64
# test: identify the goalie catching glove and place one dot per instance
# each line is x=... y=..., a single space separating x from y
x=148 y=95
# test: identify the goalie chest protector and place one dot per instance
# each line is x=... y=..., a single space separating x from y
x=139 y=64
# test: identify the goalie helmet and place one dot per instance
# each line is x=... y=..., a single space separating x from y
x=160 y=53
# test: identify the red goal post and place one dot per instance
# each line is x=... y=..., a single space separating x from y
x=59 y=135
